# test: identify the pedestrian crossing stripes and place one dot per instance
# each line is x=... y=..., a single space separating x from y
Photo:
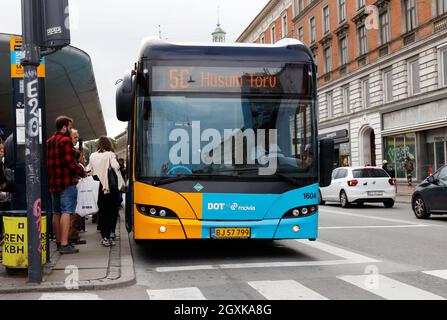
x=379 y=285
x=70 y=296
x=388 y=288
x=191 y=293
x=437 y=273
x=285 y=290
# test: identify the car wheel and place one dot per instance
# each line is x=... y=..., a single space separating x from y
x=321 y=202
x=419 y=208
x=388 y=203
x=344 y=200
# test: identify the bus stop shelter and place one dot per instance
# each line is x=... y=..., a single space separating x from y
x=70 y=90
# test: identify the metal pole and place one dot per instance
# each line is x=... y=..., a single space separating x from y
x=31 y=24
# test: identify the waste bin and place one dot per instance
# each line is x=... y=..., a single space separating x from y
x=15 y=239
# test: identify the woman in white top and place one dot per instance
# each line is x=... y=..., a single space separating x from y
x=100 y=162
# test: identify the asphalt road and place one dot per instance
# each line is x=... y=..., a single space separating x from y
x=364 y=253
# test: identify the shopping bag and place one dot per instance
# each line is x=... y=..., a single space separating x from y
x=88 y=192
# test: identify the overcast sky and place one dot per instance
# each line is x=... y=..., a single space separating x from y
x=110 y=31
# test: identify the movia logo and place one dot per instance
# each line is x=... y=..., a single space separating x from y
x=198 y=187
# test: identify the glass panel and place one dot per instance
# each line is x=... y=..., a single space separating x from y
x=389 y=151
x=410 y=149
x=168 y=124
x=399 y=154
x=370 y=173
x=440 y=154
x=430 y=160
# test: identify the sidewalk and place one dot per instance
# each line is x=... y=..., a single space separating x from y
x=99 y=267
x=404 y=193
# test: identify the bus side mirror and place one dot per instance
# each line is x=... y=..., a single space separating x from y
x=125 y=98
x=326 y=162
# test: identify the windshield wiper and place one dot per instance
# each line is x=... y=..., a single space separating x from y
x=166 y=180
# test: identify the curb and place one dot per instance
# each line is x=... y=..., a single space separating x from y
x=120 y=272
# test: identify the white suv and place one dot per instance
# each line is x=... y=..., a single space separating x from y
x=360 y=185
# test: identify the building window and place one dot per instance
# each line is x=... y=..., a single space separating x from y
x=384 y=19
x=410 y=14
x=346 y=99
x=363 y=43
x=341 y=10
x=329 y=104
x=441 y=6
x=301 y=34
x=388 y=85
x=273 y=34
x=326 y=20
x=313 y=30
x=343 y=51
x=359 y=4
x=300 y=5
x=327 y=59
x=262 y=39
x=284 y=26
x=414 y=76
x=444 y=66
x=365 y=92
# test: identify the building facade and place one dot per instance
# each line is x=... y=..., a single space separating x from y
x=382 y=78
x=272 y=24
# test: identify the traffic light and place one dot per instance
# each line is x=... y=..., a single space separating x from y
x=55 y=24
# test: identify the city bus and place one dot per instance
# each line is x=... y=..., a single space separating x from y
x=223 y=142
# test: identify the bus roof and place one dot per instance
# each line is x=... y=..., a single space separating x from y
x=289 y=50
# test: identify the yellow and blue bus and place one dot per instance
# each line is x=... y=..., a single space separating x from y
x=223 y=142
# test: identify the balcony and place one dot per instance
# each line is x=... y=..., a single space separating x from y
x=440 y=23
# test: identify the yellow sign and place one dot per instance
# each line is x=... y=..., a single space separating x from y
x=17 y=70
x=15 y=245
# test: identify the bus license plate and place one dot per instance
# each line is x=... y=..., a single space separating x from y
x=230 y=233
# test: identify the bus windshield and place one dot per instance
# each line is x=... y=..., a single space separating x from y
x=224 y=136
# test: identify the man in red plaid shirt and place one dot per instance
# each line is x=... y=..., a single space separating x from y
x=63 y=174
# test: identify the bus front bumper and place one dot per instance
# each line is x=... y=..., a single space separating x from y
x=150 y=228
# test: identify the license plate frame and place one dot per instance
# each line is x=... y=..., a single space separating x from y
x=230 y=233
x=375 y=193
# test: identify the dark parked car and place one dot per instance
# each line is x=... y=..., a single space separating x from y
x=430 y=197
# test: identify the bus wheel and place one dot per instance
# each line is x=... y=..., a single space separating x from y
x=344 y=200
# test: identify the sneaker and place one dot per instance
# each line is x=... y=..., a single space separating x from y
x=105 y=243
x=112 y=243
x=79 y=241
x=68 y=249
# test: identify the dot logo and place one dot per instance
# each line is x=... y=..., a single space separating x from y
x=198 y=187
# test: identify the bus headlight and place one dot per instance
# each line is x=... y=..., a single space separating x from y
x=301 y=212
x=156 y=212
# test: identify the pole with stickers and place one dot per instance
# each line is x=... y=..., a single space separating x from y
x=45 y=30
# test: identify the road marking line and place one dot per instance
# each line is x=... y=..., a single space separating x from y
x=285 y=290
x=191 y=293
x=437 y=273
x=348 y=258
x=374 y=227
x=388 y=288
x=370 y=217
x=69 y=296
x=339 y=252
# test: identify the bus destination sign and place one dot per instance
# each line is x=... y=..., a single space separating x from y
x=230 y=80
